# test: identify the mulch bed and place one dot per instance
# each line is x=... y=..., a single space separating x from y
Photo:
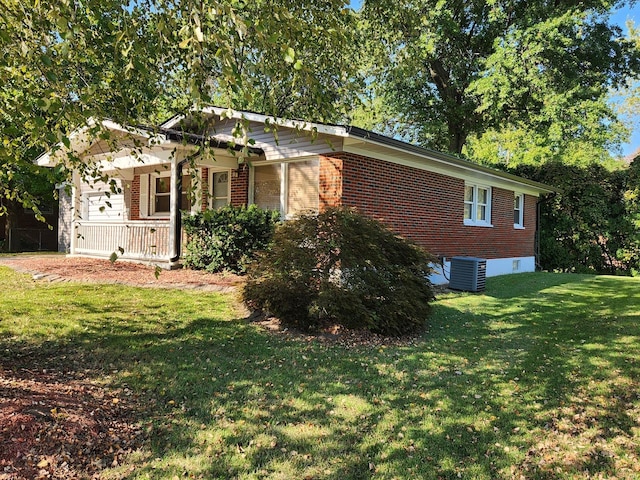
x=59 y=268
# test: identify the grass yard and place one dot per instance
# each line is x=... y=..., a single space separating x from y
x=539 y=377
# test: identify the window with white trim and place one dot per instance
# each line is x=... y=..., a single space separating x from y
x=518 y=210
x=160 y=198
x=477 y=205
x=287 y=187
x=267 y=183
x=160 y=194
x=219 y=189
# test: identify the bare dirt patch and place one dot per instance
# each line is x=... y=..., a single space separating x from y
x=334 y=334
x=58 y=268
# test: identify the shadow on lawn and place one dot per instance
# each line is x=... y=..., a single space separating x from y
x=498 y=383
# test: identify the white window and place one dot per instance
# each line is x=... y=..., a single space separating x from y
x=267 y=184
x=477 y=205
x=518 y=210
x=160 y=198
x=302 y=187
x=160 y=195
x=287 y=187
x=219 y=189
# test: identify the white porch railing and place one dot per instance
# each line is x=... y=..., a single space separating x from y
x=140 y=240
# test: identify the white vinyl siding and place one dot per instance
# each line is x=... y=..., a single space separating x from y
x=290 y=143
x=98 y=207
x=477 y=205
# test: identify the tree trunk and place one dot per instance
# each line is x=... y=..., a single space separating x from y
x=457 y=137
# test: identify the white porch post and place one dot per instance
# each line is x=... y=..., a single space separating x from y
x=76 y=207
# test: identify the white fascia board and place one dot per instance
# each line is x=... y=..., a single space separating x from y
x=259 y=118
x=277 y=121
x=131 y=161
x=80 y=141
x=173 y=121
x=435 y=165
x=116 y=127
x=126 y=159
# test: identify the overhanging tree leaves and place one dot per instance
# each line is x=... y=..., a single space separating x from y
x=456 y=68
x=63 y=62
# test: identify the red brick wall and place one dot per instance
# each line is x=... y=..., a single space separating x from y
x=425 y=207
x=204 y=198
x=240 y=186
x=134 y=209
x=330 y=181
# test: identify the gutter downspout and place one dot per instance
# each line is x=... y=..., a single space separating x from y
x=175 y=215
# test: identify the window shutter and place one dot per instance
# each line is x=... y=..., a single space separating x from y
x=144 y=195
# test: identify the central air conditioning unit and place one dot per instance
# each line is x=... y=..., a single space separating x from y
x=468 y=274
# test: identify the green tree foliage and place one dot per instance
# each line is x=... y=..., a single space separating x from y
x=454 y=68
x=63 y=62
x=227 y=239
x=627 y=99
x=630 y=254
x=339 y=266
x=275 y=57
x=591 y=225
x=514 y=146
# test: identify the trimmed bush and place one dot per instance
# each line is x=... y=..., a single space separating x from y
x=227 y=238
x=342 y=267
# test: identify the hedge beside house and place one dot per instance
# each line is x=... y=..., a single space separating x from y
x=226 y=239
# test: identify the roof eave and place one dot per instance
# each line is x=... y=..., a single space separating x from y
x=79 y=142
x=371 y=137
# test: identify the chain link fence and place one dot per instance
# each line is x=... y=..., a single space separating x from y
x=30 y=240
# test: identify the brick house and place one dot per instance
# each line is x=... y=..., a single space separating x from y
x=450 y=206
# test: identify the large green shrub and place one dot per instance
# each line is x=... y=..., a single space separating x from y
x=591 y=224
x=227 y=238
x=342 y=267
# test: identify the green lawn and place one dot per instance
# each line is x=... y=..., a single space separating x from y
x=536 y=378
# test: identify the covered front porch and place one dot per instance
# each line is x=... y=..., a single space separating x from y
x=129 y=201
